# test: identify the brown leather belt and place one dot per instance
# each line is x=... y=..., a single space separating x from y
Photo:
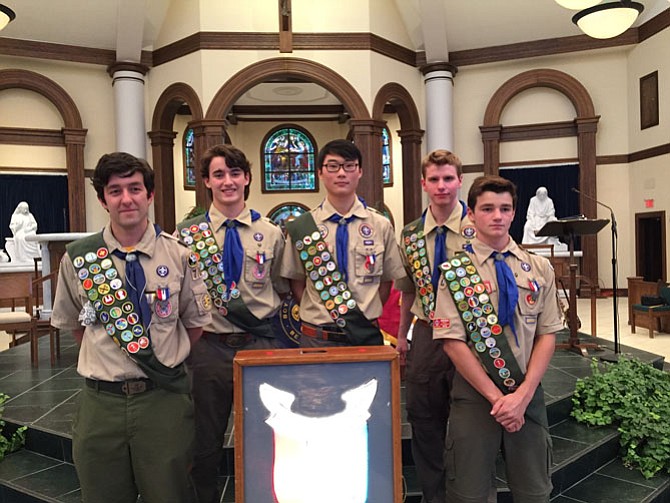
x=126 y=388
x=323 y=333
x=232 y=340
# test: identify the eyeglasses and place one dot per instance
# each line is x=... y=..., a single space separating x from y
x=334 y=167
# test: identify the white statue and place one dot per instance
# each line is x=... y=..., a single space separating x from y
x=540 y=211
x=4 y=258
x=23 y=224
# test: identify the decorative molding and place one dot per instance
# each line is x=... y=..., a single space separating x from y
x=440 y=66
x=286 y=110
x=127 y=66
x=61 y=52
x=333 y=41
x=32 y=170
x=31 y=136
x=538 y=131
x=536 y=48
x=648 y=153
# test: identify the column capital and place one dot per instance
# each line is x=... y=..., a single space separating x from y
x=126 y=66
x=439 y=66
x=162 y=137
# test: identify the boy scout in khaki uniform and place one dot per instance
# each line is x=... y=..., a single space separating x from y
x=442 y=230
x=238 y=253
x=130 y=299
x=341 y=257
x=497 y=313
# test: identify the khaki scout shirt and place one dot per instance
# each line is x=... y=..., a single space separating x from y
x=99 y=356
x=370 y=234
x=532 y=317
x=260 y=287
x=461 y=231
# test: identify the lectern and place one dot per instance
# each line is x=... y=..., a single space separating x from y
x=568 y=229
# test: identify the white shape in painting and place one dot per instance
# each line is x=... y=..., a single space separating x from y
x=22 y=224
x=322 y=459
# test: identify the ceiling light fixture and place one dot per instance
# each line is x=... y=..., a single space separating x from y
x=608 y=20
x=577 y=4
x=6 y=16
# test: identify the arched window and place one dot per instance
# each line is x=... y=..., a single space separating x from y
x=285 y=211
x=189 y=160
x=188 y=149
x=288 y=153
x=387 y=164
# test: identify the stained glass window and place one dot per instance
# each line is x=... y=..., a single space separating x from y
x=288 y=160
x=189 y=160
x=387 y=167
x=280 y=214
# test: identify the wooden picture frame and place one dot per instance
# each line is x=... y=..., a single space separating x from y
x=649 y=115
x=354 y=446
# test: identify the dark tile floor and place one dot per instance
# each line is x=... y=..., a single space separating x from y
x=45 y=399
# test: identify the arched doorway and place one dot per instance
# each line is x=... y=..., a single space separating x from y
x=72 y=135
x=411 y=136
x=366 y=132
x=585 y=128
x=162 y=142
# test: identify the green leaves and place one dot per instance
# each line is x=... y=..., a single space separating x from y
x=8 y=445
x=635 y=397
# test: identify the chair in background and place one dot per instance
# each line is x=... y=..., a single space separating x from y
x=43 y=324
x=16 y=295
x=654 y=309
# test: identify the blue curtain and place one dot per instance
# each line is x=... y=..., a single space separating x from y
x=46 y=195
x=558 y=180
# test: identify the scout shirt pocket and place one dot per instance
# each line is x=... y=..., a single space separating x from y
x=164 y=301
x=530 y=291
x=369 y=262
x=257 y=266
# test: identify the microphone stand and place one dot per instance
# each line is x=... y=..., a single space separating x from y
x=615 y=306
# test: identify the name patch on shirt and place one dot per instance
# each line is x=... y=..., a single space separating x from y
x=441 y=323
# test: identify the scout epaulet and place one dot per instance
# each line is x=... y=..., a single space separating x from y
x=481 y=322
x=206 y=260
x=329 y=282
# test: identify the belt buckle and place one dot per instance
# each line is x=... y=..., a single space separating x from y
x=134 y=387
x=236 y=340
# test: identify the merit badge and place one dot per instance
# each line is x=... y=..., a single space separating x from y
x=102 y=252
x=78 y=262
x=323 y=230
x=162 y=271
x=365 y=230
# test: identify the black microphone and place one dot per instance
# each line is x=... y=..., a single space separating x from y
x=574 y=189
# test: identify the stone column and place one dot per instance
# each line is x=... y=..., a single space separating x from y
x=128 y=84
x=438 y=79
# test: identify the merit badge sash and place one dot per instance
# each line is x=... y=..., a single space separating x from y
x=414 y=240
x=207 y=260
x=117 y=313
x=329 y=282
x=483 y=330
x=417 y=256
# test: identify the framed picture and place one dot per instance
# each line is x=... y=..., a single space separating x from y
x=649 y=100
x=317 y=425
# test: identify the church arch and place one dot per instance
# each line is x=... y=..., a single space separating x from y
x=72 y=132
